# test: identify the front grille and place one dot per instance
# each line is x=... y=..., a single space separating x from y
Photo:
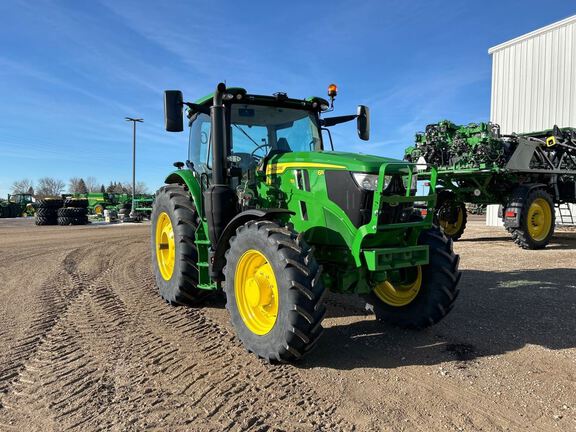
x=399 y=213
x=356 y=202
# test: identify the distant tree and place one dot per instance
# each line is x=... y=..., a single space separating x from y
x=31 y=190
x=110 y=188
x=49 y=186
x=82 y=188
x=102 y=189
x=22 y=186
x=74 y=185
x=141 y=188
x=119 y=188
x=92 y=184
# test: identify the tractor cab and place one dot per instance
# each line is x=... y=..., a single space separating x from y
x=20 y=198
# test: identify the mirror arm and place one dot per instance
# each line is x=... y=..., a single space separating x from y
x=331 y=121
x=197 y=108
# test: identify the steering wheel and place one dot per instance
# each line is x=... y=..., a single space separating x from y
x=259 y=158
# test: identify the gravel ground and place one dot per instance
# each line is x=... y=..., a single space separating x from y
x=88 y=344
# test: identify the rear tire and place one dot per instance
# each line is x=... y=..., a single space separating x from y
x=71 y=212
x=293 y=314
x=176 y=277
x=438 y=290
x=537 y=221
x=76 y=202
x=43 y=220
x=67 y=220
x=49 y=203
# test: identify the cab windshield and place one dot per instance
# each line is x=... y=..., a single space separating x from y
x=255 y=131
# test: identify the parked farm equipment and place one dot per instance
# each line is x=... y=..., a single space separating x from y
x=527 y=174
x=265 y=211
x=16 y=205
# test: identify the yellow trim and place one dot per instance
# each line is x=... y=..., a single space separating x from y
x=165 y=246
x=539 y=219
x=256 y=292
x=550 y=141
x=279 y=168
x=400 y=294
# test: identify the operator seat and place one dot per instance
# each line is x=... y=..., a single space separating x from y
x=282 y=146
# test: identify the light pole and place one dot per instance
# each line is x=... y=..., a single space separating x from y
x=134 y=121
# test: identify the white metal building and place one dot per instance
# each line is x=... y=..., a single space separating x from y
x=534 y=83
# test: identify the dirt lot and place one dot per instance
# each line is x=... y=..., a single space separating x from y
x=88 y=344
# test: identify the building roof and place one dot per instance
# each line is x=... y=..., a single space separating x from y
x=532 y=34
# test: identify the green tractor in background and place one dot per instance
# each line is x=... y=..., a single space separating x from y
x=16 y=205
x=266 y=210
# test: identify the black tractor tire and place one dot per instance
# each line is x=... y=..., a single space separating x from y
x=452 y=230
x=437 y=293
x=46 y=212
x=301 y=309
x=66 y=220
x=521 y=235
x=43 y=220
x=76 y=202
x=71 y=212
x=49 y=203
x=181 y=288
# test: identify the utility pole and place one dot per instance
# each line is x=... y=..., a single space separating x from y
x=134 y=121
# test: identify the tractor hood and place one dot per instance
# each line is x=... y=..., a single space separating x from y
x=337 y=160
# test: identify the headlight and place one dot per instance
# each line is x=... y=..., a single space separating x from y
x=370 y=181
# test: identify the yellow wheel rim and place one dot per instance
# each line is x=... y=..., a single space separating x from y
x=98 y=209
x=401 y=293
x=256 y=292
x=539 y=219
x=451 y=229
x=165 y=247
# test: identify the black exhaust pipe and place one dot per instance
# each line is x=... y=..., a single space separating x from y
x=220 y=200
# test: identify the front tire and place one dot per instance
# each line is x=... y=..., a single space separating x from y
x=274 y=292
x=174 y=253
x=429 y=294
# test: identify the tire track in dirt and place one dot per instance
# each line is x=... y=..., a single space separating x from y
x=66 y=383
x=115 y=356
x=213 y=379
x=58 y=292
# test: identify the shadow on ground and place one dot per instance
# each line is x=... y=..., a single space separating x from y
x=560 y=240
x=496 y=312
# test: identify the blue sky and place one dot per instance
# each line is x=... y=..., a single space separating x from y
x=70 y=71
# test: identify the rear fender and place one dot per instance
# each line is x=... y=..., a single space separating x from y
x=186 y=177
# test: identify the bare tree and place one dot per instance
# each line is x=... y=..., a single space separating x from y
x=92 y=184
x=22 y=186
x=48 y=186
x=74 y=185
x=141 y=188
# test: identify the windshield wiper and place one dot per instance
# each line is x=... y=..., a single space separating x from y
x=245 y=133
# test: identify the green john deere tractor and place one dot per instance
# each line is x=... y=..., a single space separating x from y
x=16 y=205
x=266 y=210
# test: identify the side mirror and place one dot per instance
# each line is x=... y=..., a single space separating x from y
x=173 y=104
x=363 y=122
